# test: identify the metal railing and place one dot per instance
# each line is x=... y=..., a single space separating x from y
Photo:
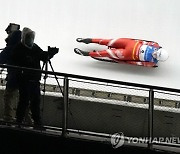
x=69 y=77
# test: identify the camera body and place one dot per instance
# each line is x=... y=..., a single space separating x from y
x=12 y=27
x=52 y=51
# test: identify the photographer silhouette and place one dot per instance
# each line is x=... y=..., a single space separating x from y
x=28 y=54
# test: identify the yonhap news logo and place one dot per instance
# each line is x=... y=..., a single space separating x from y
x=117 y=140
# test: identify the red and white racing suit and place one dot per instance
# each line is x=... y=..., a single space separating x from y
x=123 y=50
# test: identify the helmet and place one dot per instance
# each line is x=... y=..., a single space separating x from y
x=162 y=54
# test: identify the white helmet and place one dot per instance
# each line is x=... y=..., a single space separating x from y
x=162 y=55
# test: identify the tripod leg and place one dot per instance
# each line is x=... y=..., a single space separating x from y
x=56 y=78
x=45 y=65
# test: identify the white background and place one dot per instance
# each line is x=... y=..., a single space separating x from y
x=59 y=22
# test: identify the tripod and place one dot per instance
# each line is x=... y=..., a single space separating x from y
x=45 y=66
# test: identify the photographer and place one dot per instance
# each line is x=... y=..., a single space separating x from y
x=11 y=91
x=28 y=54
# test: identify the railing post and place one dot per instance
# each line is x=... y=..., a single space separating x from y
x=65 y=106
x=150 y=118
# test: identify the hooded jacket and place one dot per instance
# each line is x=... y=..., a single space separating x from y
x=11 y=41
x=27 y=37
x=28 y=55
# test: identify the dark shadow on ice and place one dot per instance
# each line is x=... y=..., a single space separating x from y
x=125 y=68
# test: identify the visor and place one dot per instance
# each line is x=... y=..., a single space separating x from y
x=158 y=54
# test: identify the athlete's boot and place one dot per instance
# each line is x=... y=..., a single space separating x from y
x=81 y=52
x=84 y=40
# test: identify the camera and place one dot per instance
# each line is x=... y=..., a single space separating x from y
x=12 y=27
x=52 y=51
